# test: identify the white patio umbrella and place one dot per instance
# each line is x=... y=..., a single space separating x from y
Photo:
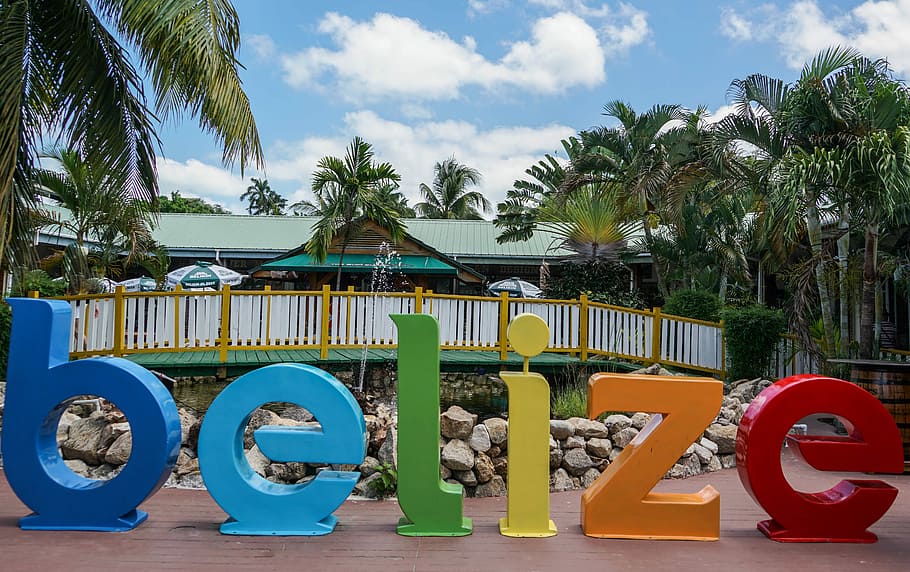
x=515 y=287
x=203 y=275
x=141 y=284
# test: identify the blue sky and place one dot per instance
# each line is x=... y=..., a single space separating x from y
x=495 y=83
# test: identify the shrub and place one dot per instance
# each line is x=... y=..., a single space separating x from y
x=696 y=304
x=387 y=483
x=604 y=282
x=39 y=280
x=752 y=334
x=569 y=401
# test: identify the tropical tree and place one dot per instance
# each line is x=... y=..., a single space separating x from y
x=449 y=197
x=263 y=199
x=177 y=203
x=109 y=226
x=350 y=193
x=65 y=77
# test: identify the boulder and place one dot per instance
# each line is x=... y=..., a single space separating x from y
x=574 y=442
x=560 y=481
x=189 y=465
x=369 y=466
x=639 y=420
x=624 y=436
x=501 y=466
x=555 y=458
x=192 y=481
x=589 y=477
x=367 y=487
x=187 y=420
x=445 y=473
x=458 y=456
x=480 y=439
x=287 y=472
x=296 y=413
x=576 y=462
x=703 y=453
x=615 y=452
x=599 y=447
x=617 y=422
x=708 y=444
x=498 y=428
x=119 y=451
x=727 y=461
x=467 y=478
x=456 y=423
x=483 y=467
x=588 y=428
x=259 y=418
x=561 y=429
x=77 y=466
x=724 y=436
x=495 y=487
x=84 y=440
x=714 y=464
x=258 y=462
x=63 y=428
x=388 y=452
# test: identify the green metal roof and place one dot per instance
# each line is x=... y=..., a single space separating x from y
x=362 y=263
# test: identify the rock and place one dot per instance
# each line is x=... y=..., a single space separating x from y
x=684 y=469
x=498 y=429
x=457 y=456
x=84 y=440
x=187 y=420
x=555 y=458
x=690 y=450
x=112 y=432
x=77 y=466
x=63 y=428
x=258 y=462
x=445 y=473
x=599 y=447
x=560 y=481
x=727 y=461
x=495 y=487
x=192 y=440
x=367 y=487
x=296 y=413
x=653 y=369
x=614 y=453
x=501 y=466
x=467 y=478
x=189 y=465
x=287 y=472
x=600 y=464
x=714 y=464
x=192 y=481
x=388 y=452
x=494 y=452
x=625 y=436
x=588 y=428
x=561 y=429
x=617 y=422
x=369 y=466
x=480 y=439
x=703 y=453
x=724 y=436
x=119 y=451
x=708 y=444
x=576 y=462
x=553 y=443
x=589 y=477
x=456 y=423
x=639 y=420
x=574 y=442
x=104 y=472
x=259 y=418
x=483 y=467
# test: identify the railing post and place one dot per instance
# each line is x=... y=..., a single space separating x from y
x=225 y=323
x=119 y=321
x=418 y=300
x=177 y=289
x=655 y=337
x=324 y=327
x=33 y=294
x=268 y=314
x=348 y=338
x=583 y=326
x=503 y=325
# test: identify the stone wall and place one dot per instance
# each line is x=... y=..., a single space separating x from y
x=96 y=442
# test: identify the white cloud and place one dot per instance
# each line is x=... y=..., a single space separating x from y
x=263 y=46
x=803 y=28
x=501 y=154
x=627 y=31
x=391 y=56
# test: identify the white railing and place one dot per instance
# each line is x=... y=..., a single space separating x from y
x=124 y=323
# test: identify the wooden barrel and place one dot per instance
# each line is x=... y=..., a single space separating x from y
x=890 y=383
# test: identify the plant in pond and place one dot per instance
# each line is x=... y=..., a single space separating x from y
x=387 y=483
x=569 y=401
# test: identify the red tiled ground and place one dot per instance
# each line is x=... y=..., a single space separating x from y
x=182 y=534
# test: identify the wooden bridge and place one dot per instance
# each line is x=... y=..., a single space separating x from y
x=234 y=327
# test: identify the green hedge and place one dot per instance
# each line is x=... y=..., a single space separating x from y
x=752 y=334
x=695 y=304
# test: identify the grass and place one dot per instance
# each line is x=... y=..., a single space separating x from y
x=569 y=401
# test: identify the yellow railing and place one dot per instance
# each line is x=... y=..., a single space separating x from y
x=125 y=323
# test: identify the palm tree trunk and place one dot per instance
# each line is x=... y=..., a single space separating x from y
x=655 y=262
x=344 y=246
x=843 y=251
x=867 y=317
x=814 y=230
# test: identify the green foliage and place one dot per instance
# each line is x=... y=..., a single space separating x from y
x=40 y=281
x=603 y=281
x=752 y=334
x=569 y=401
x=387 y=483
x=6 y=323
x=180 y=204
x=696 y=304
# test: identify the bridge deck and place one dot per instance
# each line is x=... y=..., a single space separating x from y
x=182 y=534
x=241 y=361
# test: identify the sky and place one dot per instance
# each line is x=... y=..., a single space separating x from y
x=494 y=83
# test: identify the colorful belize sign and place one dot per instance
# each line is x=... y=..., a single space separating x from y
x=42 y=382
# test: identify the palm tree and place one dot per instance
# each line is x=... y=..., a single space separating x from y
x=263 y=200
x=65 y=76
x=450 y=198
x=350 y=192
x=104 y=220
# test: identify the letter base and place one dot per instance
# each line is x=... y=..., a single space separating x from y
x=408 y=528
x=775 y=531
x=128 y=521
x=517 y=532
x=296 y=528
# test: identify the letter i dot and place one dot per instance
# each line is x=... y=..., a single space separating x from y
x=528 y=513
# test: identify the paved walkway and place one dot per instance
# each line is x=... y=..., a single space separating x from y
x=182 y=534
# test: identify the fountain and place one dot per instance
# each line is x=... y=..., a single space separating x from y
x=386 y=265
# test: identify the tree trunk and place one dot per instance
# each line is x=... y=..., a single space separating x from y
x=843 y=251
x=655 y=262
x=722 y=293
x=814 y=229
x=344 y=246
x=867 y=317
